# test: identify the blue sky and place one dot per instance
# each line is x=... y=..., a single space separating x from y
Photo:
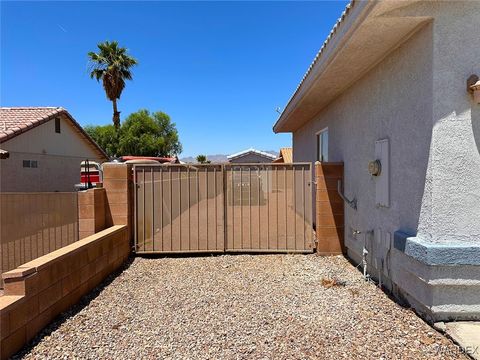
x=219 y=69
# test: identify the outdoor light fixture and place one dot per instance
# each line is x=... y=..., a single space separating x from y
x=473 y=87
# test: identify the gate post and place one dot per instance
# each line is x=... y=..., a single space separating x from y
x=118 y=184
x=329 y=209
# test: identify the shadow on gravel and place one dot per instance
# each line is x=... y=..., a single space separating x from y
x=216 y=254
x=61 y=318
x=389 y=293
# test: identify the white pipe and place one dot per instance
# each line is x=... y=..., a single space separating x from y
x=364 y=263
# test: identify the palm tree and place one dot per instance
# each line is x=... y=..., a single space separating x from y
x=112 y=65
x=202 y=159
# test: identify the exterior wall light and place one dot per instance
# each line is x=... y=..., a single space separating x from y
x=473 y=87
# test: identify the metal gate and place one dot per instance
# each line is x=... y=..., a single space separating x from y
x=223 y=208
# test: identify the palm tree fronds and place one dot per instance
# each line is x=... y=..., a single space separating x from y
x=112 y=65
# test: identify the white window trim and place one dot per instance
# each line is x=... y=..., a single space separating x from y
x=316 y=142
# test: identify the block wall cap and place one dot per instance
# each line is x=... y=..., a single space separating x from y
x=436 y=254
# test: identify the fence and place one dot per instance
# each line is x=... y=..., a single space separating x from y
x=35 y=224
x=269 y=208
x=179 y=208
x=217 y=208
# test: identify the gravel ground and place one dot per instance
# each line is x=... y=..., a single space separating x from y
x=239 y=307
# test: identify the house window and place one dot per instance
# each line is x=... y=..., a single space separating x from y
x=57 y=125
x=30 y=163
x=322 y=145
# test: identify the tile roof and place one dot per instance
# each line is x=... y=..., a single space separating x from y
x=287 y=155
x=17 y=120
x=253 y=151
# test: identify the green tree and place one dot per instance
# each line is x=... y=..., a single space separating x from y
x=141 y=134
x=113 y=66
x=105 y=136
x=202 y=159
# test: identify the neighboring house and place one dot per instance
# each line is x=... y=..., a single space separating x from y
x=251 y=156
x=45 y=147
x=285 y=157
x=390 y=84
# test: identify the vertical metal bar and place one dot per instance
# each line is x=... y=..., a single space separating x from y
x=268 y=207
x=198 y=209
x=189 y=219
x=162 y=204
x=286 y=218
x=303 y=203
x=144 y=186
x=309 y=189
x=258 y=204
x=276 y=205
x=206 y=194
x=232 y=192
x=135 y=211
x=241 y=207
x=171 y=207
x=224 y=198
x=153 y=208
x=250 y=205
x=215 y=203
x=179 y=177
x=294 y=208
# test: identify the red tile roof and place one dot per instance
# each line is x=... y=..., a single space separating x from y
x=286 y=156
x=17 y=120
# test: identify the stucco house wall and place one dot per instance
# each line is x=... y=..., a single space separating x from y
x=426 y=245
x=58 y=156
x=368 y=112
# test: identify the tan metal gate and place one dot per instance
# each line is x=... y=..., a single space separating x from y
x=218 y=208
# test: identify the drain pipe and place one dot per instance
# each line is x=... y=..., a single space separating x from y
x=364 y=263
x=364 y=255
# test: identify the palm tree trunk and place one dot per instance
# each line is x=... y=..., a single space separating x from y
x=116 y=115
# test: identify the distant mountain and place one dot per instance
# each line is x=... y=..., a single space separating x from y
x=218 y=158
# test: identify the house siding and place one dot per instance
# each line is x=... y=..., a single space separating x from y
x=394 y=101
x=425 y=244
x=58 y=156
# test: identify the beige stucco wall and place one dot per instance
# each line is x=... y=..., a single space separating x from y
x=58 y=157
x=416 y=97
x=394 y=101
x=451 y=203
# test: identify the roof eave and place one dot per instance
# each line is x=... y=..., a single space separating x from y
x=341 y=32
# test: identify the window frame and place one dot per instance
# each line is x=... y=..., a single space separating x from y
x=30 y=164
x=319 y=155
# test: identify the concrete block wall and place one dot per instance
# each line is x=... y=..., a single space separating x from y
x=37 y=291
x=118 y=184
x=329 y=209
x=91 y=211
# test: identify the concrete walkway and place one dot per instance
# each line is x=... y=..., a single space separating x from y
x=466 y=334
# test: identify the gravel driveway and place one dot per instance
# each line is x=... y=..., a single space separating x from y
x=238 y=307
